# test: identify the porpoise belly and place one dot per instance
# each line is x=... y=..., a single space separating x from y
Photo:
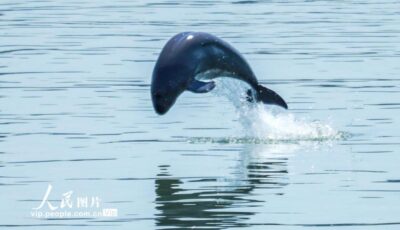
x=216 y=73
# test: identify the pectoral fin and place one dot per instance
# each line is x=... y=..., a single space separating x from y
x=201 y=87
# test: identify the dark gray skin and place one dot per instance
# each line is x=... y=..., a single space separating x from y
x=191 y=54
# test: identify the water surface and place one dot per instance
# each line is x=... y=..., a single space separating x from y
x=75 y=113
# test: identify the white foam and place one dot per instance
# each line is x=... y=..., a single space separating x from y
x=263 y=123
x=266 y=123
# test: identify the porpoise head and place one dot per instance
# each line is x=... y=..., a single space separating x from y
x=167 y=84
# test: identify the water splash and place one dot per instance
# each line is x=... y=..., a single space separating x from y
x=265 y=124
x=268 y=124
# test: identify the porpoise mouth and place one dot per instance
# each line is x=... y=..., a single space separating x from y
x=161 y=103
x=161 y=109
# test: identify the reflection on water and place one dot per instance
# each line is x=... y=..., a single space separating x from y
x=216 y=203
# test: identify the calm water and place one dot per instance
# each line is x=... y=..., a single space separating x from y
x=75 y=113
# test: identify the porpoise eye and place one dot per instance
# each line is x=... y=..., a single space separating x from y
x=158 y=95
